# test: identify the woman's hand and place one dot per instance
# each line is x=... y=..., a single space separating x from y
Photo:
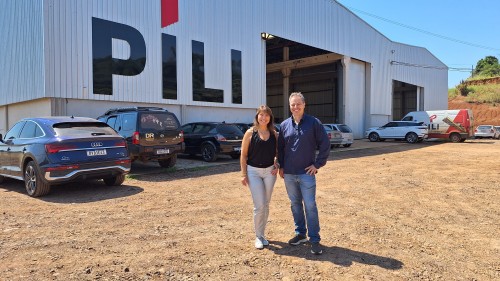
x=274 y=172
x=244 y=180
x=276 y=169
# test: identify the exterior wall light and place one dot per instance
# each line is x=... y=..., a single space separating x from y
x=266 y=36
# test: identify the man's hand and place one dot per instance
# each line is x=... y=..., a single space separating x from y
x=311 y=170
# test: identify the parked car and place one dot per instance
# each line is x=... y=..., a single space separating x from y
x=347 y=136
x=412 y=132
x=497 y=128
x=54 y=150
x=243 y=126
x=211 y=139
x=152 y=133
x=335 y=137
x=484 y=131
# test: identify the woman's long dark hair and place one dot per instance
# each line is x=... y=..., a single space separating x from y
x=265 y=109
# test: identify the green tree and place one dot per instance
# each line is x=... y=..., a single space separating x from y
x=488 y=67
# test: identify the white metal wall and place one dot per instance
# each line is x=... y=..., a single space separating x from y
x=3 y=120
x=12 y=113
x=69 y=46
x=355 y=96
x=21 y=51
x=221 y=25
x=428 y=73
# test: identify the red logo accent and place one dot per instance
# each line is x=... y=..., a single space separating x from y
x=432 y=117
x=169 y=12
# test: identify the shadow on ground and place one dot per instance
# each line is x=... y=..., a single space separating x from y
x=77 y=192
x=337 y=255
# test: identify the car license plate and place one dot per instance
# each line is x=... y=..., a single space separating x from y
x=237 y=148
x=96 y=152
x=162 y=151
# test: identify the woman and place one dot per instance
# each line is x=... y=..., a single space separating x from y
x=259 y=168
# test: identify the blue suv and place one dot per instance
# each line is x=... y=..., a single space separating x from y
x=55 y=150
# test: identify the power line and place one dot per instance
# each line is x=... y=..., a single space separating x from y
x=426 y=32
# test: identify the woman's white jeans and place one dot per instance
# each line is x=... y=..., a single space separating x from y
x=261 y=184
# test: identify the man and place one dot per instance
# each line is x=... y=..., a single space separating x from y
x=299 y=137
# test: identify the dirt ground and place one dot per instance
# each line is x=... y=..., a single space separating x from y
x=395 y=211
x=484 y=114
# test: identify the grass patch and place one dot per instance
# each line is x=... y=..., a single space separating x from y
x=452 y=93
x=170 y=170
x=483 y=94
x=487 y=94
x=479 y=77
x=131 y=177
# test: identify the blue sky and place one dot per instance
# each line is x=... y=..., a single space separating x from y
x=474 y=22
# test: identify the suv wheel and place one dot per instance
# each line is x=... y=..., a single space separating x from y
x=116 y=180
x=169 y=162
x=35 y=186
x=373 y=137
x=208 y=153
x=455 y=137
x=2 y=179
x=411 y=137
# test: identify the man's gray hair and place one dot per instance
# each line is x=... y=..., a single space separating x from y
x=297 y=94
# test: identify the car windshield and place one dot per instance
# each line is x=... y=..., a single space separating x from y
x=228 y=129
x=82 y=129
x=484 y=127
x=345 y=129
x=158 y=121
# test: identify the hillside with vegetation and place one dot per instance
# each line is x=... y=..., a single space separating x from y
x=480 y=92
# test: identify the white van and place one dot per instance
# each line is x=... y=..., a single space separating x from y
x=456 y=125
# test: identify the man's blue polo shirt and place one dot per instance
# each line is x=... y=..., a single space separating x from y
x=297 y=145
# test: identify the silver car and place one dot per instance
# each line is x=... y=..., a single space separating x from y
x=335 y=137
x=347 y=136
x=484 y=131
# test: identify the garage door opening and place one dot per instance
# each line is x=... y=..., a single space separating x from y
x=295 y=67
x=404 y=99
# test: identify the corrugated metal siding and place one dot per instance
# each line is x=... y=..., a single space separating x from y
x=427 y=72
x=222 y=25
x=21 y=51
x=355 y=102
x=69 y=48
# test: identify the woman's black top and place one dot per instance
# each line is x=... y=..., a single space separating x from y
x=261 y=153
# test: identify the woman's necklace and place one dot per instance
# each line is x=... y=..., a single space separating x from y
x=264 y=134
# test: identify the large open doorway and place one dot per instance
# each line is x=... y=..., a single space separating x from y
x=295 y=67
x=404 y=99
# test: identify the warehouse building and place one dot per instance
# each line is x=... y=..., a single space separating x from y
x=215 y=60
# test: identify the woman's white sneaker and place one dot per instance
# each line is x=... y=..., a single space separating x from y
x=264 y=241
x=258 y=243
